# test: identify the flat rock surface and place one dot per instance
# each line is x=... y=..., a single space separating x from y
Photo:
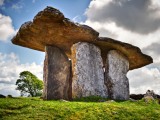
x=87 y=69
x=50 y=27
x=116 y=80
x=56 y=74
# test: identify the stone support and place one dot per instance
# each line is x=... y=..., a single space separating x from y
x=56 y=74
x=87 y=70
x=116 y=81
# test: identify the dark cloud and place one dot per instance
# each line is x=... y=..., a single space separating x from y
x=154 y=48
x=147 y=77
x=154 y=51
x=134 y=15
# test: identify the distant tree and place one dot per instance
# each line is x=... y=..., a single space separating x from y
x=28 y=83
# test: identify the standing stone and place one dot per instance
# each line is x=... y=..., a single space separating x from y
x=56 y=74
x=87 y=69
x=116 y=81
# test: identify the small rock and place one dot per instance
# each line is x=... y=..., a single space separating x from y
x=110 y=101
x=62 y=100
x=151 y=93
x=149 y=99
x=114 y=112
x=133 y=100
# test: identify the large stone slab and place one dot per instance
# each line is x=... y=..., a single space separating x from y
x=134 y=55
x=50 y=27
x=56 y=74
x=117 y=66
x=87 y=69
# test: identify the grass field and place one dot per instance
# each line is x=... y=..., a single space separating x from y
x=37 y=109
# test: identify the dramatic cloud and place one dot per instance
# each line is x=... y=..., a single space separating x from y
x=1 y=2
x=153 y=50
x=6 y=28
x=140 y=16
x=115 y=32
x=144 y=79
x=147 y=77
x=136 y=22
x=10 y=68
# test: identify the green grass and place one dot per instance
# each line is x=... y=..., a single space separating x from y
x=37 y=109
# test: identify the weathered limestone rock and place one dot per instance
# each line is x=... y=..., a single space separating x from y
x=150 y=96
x=50 y=27
x=56 y=74
x=87 y=69
x=116 y=81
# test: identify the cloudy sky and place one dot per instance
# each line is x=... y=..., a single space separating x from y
x=133 y=21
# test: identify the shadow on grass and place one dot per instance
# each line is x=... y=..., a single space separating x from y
x=11 y=110
x=18 y=107
x=90 y=99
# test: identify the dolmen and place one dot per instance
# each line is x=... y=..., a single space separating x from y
x=78 y=63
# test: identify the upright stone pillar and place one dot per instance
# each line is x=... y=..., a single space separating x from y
x=116 y=81
x=56 y=74
x=87 y=70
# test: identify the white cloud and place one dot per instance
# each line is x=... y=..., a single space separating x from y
x=18 y=5
x=144 y=79
x=155 y=4
x=136 y=22
x=10 y=68
x=6 y=28
x=131 y=30
x=1 y=2
x=132 y=15
x=112 y=30
x=76 y=19
x=98 y=4
x=6 y=89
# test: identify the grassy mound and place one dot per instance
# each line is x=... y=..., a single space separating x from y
x=37 y=109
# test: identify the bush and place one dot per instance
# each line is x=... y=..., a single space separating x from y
x=2 y=96
x=9 y=96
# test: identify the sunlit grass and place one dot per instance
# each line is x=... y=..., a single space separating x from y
x=37 y=109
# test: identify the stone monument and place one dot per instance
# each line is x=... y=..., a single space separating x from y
x=79 y=63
